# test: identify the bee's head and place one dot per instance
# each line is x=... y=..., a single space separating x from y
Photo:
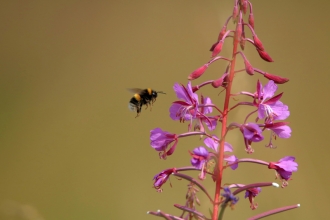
x=154 y=94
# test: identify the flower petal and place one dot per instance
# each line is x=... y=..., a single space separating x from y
x=269 y=90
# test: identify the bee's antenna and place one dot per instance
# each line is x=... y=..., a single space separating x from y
x=161 y=92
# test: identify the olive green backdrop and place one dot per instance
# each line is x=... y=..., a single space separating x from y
x=71 y=149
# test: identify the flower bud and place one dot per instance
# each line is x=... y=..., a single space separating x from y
x=217 y=49
x=197 y=73
x=222 y=32
x=238 y=31
x=244 y=6
x=213 y=46
x=248 y=67
x=258 y=43
x=264 y=55
x=251 y=20
x=235 y=13
x=242 y=41
x=276 y=79
x=222 y=81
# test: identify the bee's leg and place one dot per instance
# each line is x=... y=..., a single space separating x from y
x=148 y=102
x=138 y=110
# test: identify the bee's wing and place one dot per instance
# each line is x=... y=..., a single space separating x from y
x=135 y=90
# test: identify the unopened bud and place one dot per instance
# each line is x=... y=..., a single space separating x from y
x=264 y=55
x=242 y=41
x=213 y=46
x=251 y=20
x=222 y=32
x=238 y=31
x=276 y=79
x=197 y=73
x=244 y=6
x=217 y=49
x=222 y=81
x=195 y=88
x=248 y=67
x=258 y=43
x=235 y=13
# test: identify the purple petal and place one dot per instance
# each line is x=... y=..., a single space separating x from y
x=282 y=131
x=159 y=139
x=207 y=110
x=211 y=126
x=289 y=166
x=284 y=174
x=181 y=92
x=269 y=90
x=201 y=151
x=176 y=112
x=282 y=111
x=157 y=133
x=211 y=143
x=199 y=162
x=232 y=159
x=261 y=111
x=252 y=132
x=196 y=163
x=159 y=145
x=228 y=147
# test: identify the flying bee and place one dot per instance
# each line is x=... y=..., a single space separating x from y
x=142 y=97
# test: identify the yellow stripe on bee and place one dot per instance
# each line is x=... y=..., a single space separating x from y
x=137 y=97
x=149 y=91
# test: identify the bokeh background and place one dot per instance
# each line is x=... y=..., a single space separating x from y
x=70 y=148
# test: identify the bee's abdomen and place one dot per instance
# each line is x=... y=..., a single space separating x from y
x=134 y=103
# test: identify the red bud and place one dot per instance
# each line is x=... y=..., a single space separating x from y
x=235 y=13
x=217 y=83
x=217 y=49
x=197 y=73
x=222 y=81
x=248 y=67
x=244 y=6
x=238 y=32
x=195 y=88
x=264 y=55
x=213 y=46
x=276 y=79
x=222 y=32
x=251 y=20
x=243 y=40
x=258 y=43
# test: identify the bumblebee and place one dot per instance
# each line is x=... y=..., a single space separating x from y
x=142 y=97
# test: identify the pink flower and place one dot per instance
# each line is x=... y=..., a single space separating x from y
x=159 y=140
x=252 y=132
x=162 y=177
x=187 y=108
x=284 y=168
x=269 y=106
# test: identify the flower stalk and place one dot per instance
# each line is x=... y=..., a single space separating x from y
x=265 y=117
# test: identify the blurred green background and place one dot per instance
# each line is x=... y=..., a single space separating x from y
x=70 y=148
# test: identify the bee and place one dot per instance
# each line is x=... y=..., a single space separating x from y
x=142 y=97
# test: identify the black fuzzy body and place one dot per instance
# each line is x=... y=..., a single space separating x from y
x=144 y=97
